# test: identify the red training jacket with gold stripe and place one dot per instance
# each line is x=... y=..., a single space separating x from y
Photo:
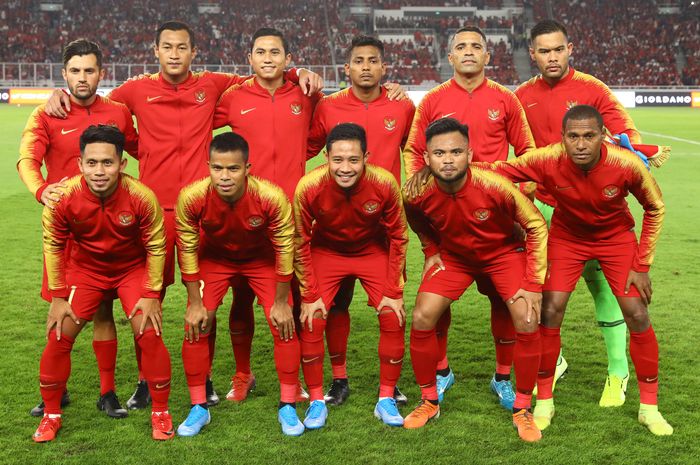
x=276 y=128
x=56 y=142
x=493 y=114
x=259 y=225
x=386 y=123
x=591 y=205
x=476 y=223
x=365 y=219
x=109 y=236
x=546 y=105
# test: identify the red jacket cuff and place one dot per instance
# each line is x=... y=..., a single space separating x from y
x=189 y=277
x=639 y=268
x=40 y=191
x=62 y=293
x=393 y=292
x=284 y=278
x=292 y=75
x=531 y=287
x=430 y=250
x=150 y=294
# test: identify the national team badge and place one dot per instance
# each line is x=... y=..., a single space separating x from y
x=571 y=104
x=296 y=108
x=200 y=96
x=255 y=221
x=389 y=124
x=611 y=191
x=494 y=114
x=482 y=214
x=126 y=218
x=371 y=206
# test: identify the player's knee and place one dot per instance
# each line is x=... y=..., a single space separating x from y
x=637 y=318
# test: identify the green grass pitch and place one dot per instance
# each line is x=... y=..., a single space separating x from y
x=473 y=428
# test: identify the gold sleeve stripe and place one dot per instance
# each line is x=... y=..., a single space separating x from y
x=29 y=163
x=187 y=228
x=341 y=94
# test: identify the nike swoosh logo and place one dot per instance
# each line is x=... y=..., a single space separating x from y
x=395 y=362
x=47 y=385
x=565 y=187
x=334 y=355
x=243 y=112
x=64 y=132
x=506 y=341
x=448 y=114
x=651 y=380
x=161 y=386
x=309 y=360
x=532 y=104
x=150 y=99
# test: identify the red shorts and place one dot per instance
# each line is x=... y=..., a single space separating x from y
x=87 y=291
x=169 y=270
x=567 y=259
x=331 y=269
x=505 y=273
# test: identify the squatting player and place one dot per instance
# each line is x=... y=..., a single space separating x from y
x=350 y=224
x=55 y=143
x=117 y=246
x=589 y=180
x=496 y=120
x=386 y=123
x=231 y=225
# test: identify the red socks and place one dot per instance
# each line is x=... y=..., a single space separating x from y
x=312 y=353
x=391 y=351
x=137 y=351
x=337 y=333
x=106 y=355
x=644 y=350
x=212 y=343
x=287 y=355
x=526 y=363
x=503 y=333
x=155 y=361
x=424 y=353
x=441 y=330
x=54 y=370
x=195 y=359
x=551 y=345
x=241 y=325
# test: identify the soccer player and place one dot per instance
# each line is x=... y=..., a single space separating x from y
x=496 y=120
x=174 y=110
x=386 y=123
x=350 y=223
x=231 y=225
x=589 y=180
x=546 y=98
x=54 y=143
x=464 y=219
x=118 y=246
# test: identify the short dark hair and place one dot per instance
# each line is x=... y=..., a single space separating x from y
x=174 y=26
x=366 y=41
x=80 y=48
x=467 y=29
x=445 y=126
x=229 y=142
x=347 y=131
x=102 y=133
x=547 y=26
x=269 y=31
x=580 y=112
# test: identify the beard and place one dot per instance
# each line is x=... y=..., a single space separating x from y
x=455 y=179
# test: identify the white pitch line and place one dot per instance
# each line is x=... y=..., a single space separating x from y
x=687 y=141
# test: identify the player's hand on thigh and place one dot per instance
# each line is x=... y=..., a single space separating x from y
x=196 y=319
x=396 y=305
x=55 y=104
x=282 y=319
x=643 y=284
x=310 y=82
x=430 y=262
x=394 y=91
x=533 y=300
x=309 y=310
x=58 y=310
x=150 y=312
x=415 y=184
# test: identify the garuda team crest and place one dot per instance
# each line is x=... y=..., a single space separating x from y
x=255 y=221
x=611 y=191
x=482 y=214
x=389 y=124
x=494 y=114
x=200 y=96
x=371 y=206
x=125 y=218
x=296 y=108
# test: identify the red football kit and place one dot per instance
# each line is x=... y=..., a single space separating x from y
x=472 y=230
x=546 y=105
x=219 y=243
x=118 y=245
x=592 y=221
x=359 y=232
x=385 y=121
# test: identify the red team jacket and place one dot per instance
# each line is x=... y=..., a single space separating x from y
x=591 y=205
x=56 y=142
x=493 y=114
x=259 y=225
x=476 y=223
x=386 y=123
x=363 y=220
x=546 y=105
x=109 y=237
x=276 y=128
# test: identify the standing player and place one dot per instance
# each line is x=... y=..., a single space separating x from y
x=589 y=181
x=350 y=224
x=231 y=225
x=496 y=120
x=118 y=246
x=55 y=143
x=464 y=218
x=546 y=98
x=174 y=110
x=386 y=123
